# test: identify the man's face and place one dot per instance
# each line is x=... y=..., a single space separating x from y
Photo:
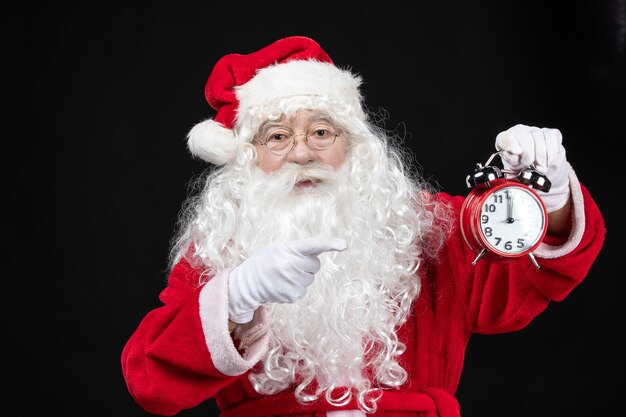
x=302 y=123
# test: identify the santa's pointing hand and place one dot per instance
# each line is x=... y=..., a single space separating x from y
x=277 y=273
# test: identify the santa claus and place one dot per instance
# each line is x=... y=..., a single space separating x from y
x=314 y=274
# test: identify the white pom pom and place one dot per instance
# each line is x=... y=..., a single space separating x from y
x=212 y=142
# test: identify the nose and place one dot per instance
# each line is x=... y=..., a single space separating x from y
x=301 y=153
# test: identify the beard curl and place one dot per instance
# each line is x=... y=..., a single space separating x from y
x=339 y=342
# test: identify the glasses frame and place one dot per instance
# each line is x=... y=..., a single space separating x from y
x=293 y=143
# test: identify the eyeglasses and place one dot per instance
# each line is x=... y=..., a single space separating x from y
x=280 y=141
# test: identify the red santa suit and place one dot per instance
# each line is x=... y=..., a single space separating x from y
x=182 y=353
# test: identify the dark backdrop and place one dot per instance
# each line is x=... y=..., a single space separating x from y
x=98 y=100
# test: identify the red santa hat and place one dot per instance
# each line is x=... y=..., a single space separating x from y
x=247 y=89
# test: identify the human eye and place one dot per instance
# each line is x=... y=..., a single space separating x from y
x=321 y=132
x=278 y=135
x=278 y=139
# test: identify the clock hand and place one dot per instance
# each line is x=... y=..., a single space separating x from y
x=509 y=208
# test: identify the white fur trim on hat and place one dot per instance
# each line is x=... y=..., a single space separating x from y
x=212 y=142
x=338 y=87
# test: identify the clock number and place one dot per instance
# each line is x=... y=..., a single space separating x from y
x=490 y=208
x=498 y=198
x=488 y=231
x=484 y=218
x=520 y=243
x=508 y=245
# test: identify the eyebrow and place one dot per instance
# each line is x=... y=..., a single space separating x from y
x=313 y=118
x=268 y=124
x=316 y=118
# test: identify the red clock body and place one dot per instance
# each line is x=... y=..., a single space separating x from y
x=503 y=220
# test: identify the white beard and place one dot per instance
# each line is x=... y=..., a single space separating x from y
x=340 y=340
x=324 y=336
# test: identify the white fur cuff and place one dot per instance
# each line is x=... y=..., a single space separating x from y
x=578 y=224
x=214 y=318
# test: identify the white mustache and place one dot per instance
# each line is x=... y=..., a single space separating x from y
x=291 y=174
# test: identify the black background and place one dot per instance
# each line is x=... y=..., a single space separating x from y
x=98 y=100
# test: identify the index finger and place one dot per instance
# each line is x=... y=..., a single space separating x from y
x=317 y=244
x=506 y=141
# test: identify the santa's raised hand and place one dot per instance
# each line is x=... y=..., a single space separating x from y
x=522 y=146
x=277 y=273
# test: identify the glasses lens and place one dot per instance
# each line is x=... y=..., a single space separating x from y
x=321 y=137
x=279 y=141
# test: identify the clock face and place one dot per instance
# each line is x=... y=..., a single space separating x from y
x=512 y=220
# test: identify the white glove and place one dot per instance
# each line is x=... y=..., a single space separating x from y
x=526 y=146
x=277 y=273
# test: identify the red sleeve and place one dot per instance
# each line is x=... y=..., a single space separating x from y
x=499 y=298
x=166 y=362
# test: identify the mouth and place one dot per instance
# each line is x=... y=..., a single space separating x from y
x=307 y=183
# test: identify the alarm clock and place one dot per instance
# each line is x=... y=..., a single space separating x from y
x=503 y=219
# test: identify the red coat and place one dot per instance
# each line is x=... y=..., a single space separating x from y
x=181 y=354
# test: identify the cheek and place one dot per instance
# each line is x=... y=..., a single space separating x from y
x=267 y=163
x=334 y=159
